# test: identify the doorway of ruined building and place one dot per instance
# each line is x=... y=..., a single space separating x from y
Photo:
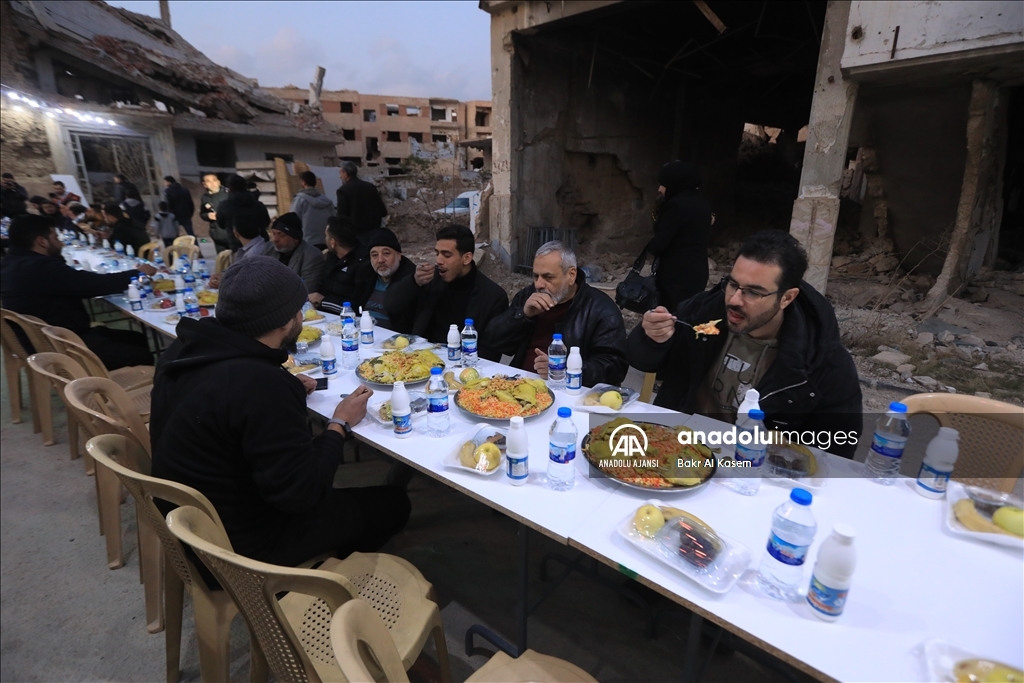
x=1010 y=252
x=98 y=157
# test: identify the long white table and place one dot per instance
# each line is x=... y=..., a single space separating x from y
x=914 y=580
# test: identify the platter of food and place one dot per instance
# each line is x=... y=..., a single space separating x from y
x=161 y=304
x=791 y=464
x=311 y=315
x=310 y=334
x=397 y=342
x=502 y=398
x=984 y=515
x=207 y=297
x=606 y=398
x=163 y=285
x=398 y=366
x=666 y=465
x=687 y=544
x=482 y=455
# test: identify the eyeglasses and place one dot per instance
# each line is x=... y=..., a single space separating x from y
x=746 y=293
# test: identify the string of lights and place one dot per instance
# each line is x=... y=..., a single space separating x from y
x=32 y=102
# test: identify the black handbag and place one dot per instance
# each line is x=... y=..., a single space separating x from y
x=638 y=293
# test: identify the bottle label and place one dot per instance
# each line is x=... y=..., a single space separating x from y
x=574 y=380
x=562 y=454
x=349 y=345
x=402 y=423
x=192 y=309
x=518 y=468
x=469 y=347
x=454 y=354
x=366 y=337
x=755 y=456
x=890 y=448
x=931 y=479
x=438 y=404
x=329 y=366
x=137 y=305
x=785 y=552
x=556 y=363
x=826 y=600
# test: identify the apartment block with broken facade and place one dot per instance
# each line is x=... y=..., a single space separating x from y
x=906 y=107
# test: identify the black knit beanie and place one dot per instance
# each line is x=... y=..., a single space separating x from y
x=259 y=294
x=382 y=237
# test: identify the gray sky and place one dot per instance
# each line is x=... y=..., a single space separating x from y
x=418 y=49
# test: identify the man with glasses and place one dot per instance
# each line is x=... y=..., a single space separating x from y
x=776 y=334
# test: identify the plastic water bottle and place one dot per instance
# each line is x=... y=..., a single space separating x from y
x=106 y=244
x=191 y=304
x=793 y=527
x=562 y=452
x=517 y=452
x=118 y=247
x=833 y=573
x=349 y=345
x=750 y=448
x=454 y=346
x=438 y=418
x=469 y=341
x=145 y=286
x=891 y=433
x=328 y=361
x=179 y=282
x=130 y=251
x=134 y=298
x=939 y=459
x=574 y=372
x=401 y=411
x=204 y=272
x=158 y=260
x=347 y=311
x=179 y=303
x=557 y=356
x=366 y=329
x=187 y=274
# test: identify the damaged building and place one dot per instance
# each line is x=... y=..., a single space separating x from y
x=884 y=119
x=92 y=90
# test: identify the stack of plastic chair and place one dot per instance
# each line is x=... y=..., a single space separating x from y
x=224 y=259
x=146 y=250
x=56 y=371
x=184 y=240
x=16 y=360
x=294 y=632
x=175 y=251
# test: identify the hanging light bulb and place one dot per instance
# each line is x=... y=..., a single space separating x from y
x=111 y=122
x=51 y=115
x=13 y=95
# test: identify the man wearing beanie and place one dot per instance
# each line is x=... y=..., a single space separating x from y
x=229 y=421
x=385 y=267
x=287 y=246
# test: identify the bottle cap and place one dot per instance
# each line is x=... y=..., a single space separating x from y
x=801 y=496
x=897 y=407
x=516 y=421
x=347 y=321
x=453 y=326
x=564 y=412
x=756 y=414
x=435 y=371
x=469 y=322
x=346 y=304
x=556 y=336
x=949 y=433
x=574 y=349
x=844 y=533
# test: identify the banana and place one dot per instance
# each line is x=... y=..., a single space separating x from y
x=967 y=515
x=452 y=382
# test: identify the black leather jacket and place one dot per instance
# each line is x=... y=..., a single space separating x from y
x=593 y=323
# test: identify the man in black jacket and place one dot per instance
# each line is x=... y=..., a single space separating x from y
x=35 y=280
x=239 y=202
x=359 y=201
x=229 y=421
x=12 y=197
x=781 y=338
x=559 y=300
x=375 y=276
x=208 y=203
x=344 y=255
x=448 y=292
x=179 y=202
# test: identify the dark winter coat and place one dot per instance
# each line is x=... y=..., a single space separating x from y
x=48 y=288
x=682 y=234
x=338 y=283
x=229 y=421
x=207 y=203
x=12 y=200
x=361 y=202
x=813 y=383
x=179 y=202
x=238 y=204
x=593 y=323
x=127 y=232
x=365 y=280
x=138 y=212
x=413 y=308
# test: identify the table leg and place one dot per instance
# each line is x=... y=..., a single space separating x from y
x=522 y=607
x=692 y=645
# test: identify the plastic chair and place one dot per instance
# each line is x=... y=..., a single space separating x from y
x=146 y=250
x=137 y=380
x=33 y=328
x=648 y=387
x=213 y=609
x=357 y=631
x=16 y=360
x=184 y=240
x=294 y=632
x=224 y=260
x=56 y=371
x=175 y=251
x=991 y=436
x=102 y=407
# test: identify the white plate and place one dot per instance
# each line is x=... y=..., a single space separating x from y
x=628 y=397
x=417 y=399
x=938 y=659
x=415 y=343
x=954 y=492
x=719 y=577
x=482 y=433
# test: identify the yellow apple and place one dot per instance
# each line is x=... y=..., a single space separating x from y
x=611 y=399
x=648 y=520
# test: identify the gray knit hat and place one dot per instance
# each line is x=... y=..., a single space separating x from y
x=259 y=294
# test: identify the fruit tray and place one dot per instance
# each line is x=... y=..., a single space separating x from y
x=586 y=402
x=956 y=492
x=483 y=432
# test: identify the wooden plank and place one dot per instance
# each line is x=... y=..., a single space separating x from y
x=254 y=166
x=710 y=16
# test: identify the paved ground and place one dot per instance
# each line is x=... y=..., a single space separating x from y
x=65 y=617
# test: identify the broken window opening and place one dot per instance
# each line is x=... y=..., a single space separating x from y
x=217 y=152
x=412 y=111
x=455 y=116
x=369 y=115
x=391 y=109
x=418 y=137
x=358 y=161
x=396 y=171
x=347 y=107
x=437 y=114
x=372 y=149
x=438 y=138
x=348 y=133
x=483 y=118
x=392 y=161
x=98 y=157
x=270 y=156
x=394 y=136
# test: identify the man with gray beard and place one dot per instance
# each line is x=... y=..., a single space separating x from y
x=385 y=267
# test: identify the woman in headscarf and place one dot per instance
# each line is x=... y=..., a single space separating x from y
x=682 y=233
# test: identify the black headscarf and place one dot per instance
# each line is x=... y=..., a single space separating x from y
x=678 y=176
